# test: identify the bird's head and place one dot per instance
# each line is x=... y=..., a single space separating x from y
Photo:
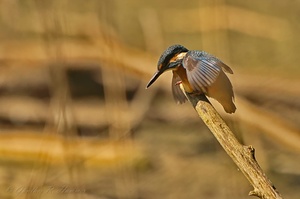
x=169 y=60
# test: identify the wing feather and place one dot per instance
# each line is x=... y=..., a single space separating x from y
x=197 y=82
x=203 y=69
x=178 y=95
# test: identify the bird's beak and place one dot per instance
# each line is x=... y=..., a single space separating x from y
x=154 y=77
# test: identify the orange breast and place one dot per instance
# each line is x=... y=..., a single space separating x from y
x=181 y=72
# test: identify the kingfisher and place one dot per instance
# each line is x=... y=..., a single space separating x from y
x=199 y=72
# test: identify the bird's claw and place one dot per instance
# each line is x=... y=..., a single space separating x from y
x=177 y=83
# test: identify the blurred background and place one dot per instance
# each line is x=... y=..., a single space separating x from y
x=77 y=122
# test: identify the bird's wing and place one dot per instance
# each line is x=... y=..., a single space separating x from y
x=202 y=69
x=178 y=95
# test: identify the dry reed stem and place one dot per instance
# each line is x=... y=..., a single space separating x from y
x=243 y=156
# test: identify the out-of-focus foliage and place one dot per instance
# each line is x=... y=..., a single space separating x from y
x=76 y=121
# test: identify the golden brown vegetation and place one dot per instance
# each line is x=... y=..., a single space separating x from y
x=76 y=122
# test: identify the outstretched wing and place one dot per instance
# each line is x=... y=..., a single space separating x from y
x=178 y=95
x=203 y=69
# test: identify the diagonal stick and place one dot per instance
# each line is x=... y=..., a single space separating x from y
x=242 y=156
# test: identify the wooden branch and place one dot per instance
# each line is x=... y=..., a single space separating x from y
x=243 y=156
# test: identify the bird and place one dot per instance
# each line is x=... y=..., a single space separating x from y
x=199 y=72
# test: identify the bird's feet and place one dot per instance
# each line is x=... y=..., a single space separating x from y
x=177 y=83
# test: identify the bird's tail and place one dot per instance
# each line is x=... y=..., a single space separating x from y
x=222 y=91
